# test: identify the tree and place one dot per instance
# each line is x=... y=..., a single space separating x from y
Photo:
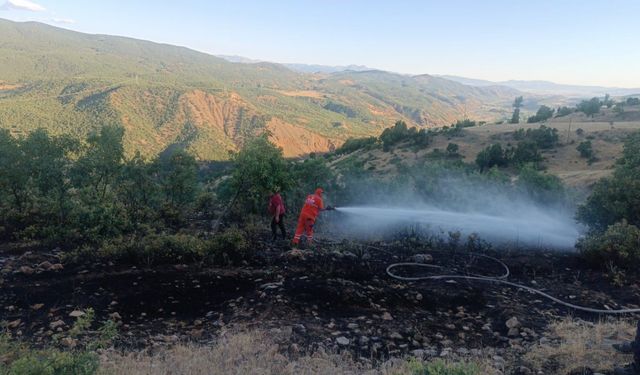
x=138 y=190
x=607 y=101
x=102 y=160
x=394 y=134
x=590 y=107
x=633 y=101
x=493 y=155
x=517 y=103
x=178 y=178
x=585 y=148
x=259 y=168
x=544 y=113
x=526 y=152
x=618 y=109
x=616 y=198
x=13 y=174
x=452 y=149
x=563 y=111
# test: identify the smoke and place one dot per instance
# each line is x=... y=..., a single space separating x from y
x=501 y=212
x=534 y=227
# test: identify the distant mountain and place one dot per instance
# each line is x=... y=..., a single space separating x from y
x=549 y=88
x=311 y=68
x=302 y=68
x=167 y=96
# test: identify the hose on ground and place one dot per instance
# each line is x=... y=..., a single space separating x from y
x=497 y=280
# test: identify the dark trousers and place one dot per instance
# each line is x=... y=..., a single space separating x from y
x=274 y=227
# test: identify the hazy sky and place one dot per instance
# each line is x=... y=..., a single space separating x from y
x=567 y=41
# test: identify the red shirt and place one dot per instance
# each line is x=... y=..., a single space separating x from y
x=276 y=206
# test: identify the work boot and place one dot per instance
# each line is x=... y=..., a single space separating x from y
x=626 y=347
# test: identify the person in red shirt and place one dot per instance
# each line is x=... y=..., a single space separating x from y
x=312 y=207
x=277 y=211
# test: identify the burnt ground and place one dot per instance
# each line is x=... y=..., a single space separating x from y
x=320 y=297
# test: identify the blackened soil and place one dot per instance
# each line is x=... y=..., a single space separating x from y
x=336 y=290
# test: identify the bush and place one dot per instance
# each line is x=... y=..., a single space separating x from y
x=586 y=151
x=493 y=155
x=19 y=360
x=633 y=101
x=230 y=245
x=563 y=111
x=616 y=198
x=452 y=149
x=396 y=134
x=544 y=113
x=354 y=144
x=526 y=152
x=441 y=367
x=619 y=244
x=541 y=187
x=146 y=249
x=590 y=107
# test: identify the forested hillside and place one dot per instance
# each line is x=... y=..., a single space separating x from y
x=167 y=96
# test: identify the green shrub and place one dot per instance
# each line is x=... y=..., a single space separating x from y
x=493 y=155
x=20 y=360
x=149 y=249
x=353 y=144
x=585 y=148
x=441 y=367
x=619 y=245
x=544 y=113
x=230 y=245
x=616 y=198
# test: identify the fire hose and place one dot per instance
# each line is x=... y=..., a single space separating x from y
x=502 y=279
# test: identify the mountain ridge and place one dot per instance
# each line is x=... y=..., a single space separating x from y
x=170 y=96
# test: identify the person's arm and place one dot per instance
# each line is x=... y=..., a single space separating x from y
x=278 y=212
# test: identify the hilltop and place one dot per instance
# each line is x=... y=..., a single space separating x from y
x=548 y=88
x=168 y=96
x=606 y=131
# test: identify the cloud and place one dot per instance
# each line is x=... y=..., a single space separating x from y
x=63 y=20
x=23 y=5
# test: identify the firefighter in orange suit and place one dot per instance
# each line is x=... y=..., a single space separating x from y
x=312 y=207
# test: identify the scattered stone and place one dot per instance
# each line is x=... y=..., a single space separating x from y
x=76 y=313
x=57 y=324
x=396 y=336
x=45 y=266
x=14 y=324
x=513 y=332
x=342 y=341
x=26 y=270
x=352 y=326
x=37 y=306
x=69 y=342
x=56 y=267
x=115 y=316
x=513 y=323
x=387 y=316
x=421 y=258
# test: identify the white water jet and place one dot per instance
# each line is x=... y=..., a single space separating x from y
x=530 y=227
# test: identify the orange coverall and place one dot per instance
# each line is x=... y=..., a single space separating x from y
x=312 y=206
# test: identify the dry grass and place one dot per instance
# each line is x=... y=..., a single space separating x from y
x=576 y=343
x=247 y=353
x=303 y=93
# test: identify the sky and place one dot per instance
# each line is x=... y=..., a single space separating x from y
x=566 y=41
